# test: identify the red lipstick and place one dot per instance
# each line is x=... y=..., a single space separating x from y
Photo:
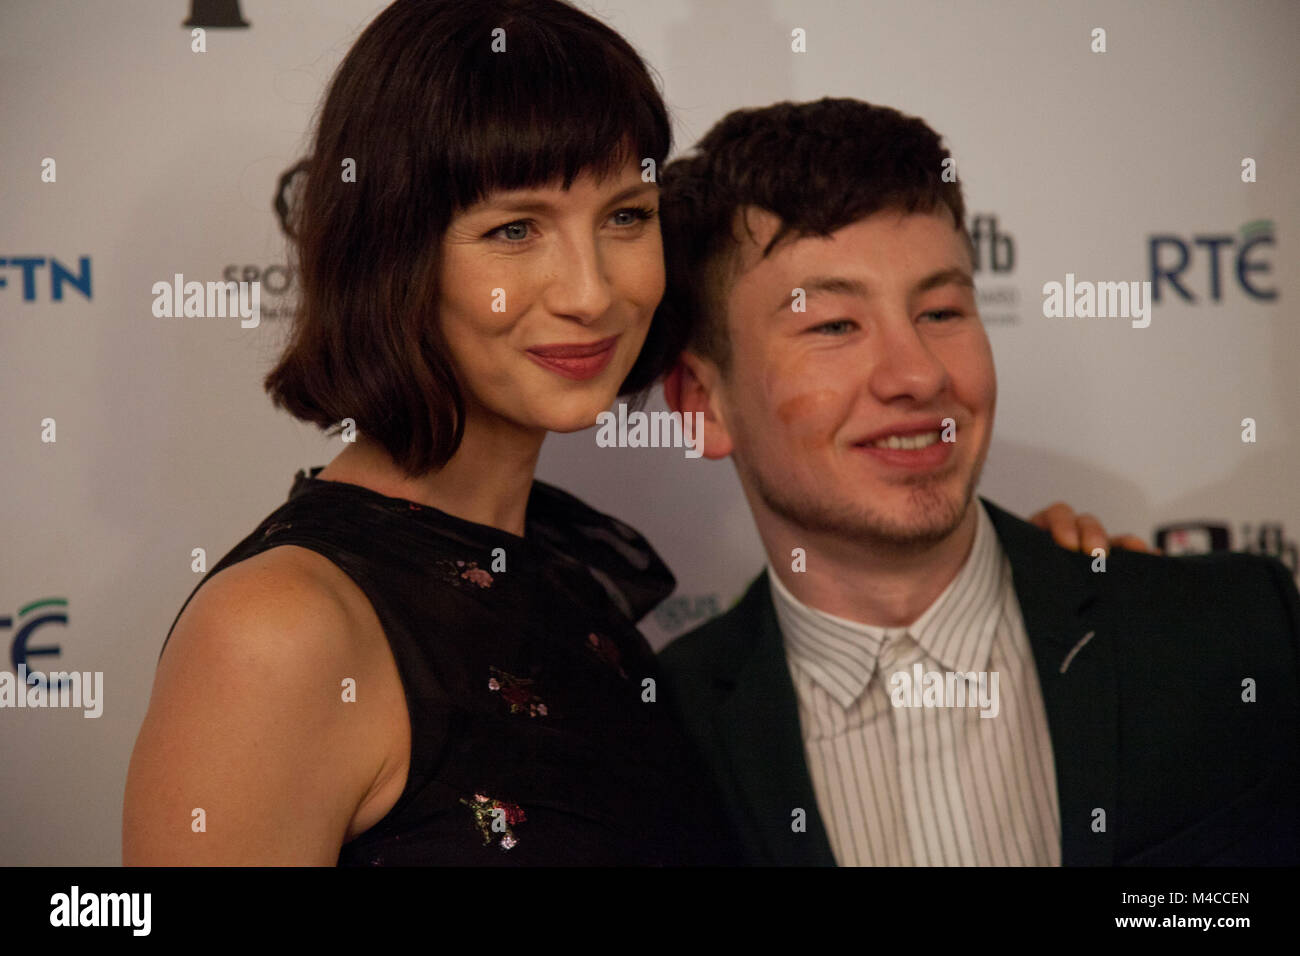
x=576 y=360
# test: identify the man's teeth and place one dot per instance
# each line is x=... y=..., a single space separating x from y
x=907 y=441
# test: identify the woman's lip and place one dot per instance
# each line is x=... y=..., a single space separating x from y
x=578 y=367
x=574 y=350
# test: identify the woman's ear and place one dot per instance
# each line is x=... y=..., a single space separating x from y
x=691 y=387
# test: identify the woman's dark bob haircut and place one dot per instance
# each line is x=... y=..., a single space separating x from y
x=435 y=114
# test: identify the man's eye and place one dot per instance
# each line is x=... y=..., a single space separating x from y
x=944 y=314
x=837 y=327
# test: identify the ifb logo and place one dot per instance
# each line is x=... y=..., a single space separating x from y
x=999 y=246
x=27 y=626
x=1170 y=257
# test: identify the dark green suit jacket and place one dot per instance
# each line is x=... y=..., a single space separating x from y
x=1148 y=721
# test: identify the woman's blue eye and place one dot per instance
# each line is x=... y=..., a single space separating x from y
x=517 y=232
x=638 y=213
x=514 y=237
x=948 y=313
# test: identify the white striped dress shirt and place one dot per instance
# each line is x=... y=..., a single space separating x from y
x=927 y=786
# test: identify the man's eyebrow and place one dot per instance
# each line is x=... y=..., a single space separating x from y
x=842 y=285
x=527 y=202
x=835 y=285
x=943 y=277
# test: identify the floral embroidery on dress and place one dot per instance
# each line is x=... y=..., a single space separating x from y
x=496 y=816
x=456 y=572
x=514 y=691
x=605 y=649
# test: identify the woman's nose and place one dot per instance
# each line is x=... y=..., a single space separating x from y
x=579 y=288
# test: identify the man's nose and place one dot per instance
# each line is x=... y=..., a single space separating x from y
x=905 y=366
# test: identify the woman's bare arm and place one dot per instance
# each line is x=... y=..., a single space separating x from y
x=247 y=723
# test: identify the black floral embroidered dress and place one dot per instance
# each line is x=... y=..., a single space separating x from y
x=525 y=680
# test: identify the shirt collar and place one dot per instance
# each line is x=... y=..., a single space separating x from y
x=957 y=630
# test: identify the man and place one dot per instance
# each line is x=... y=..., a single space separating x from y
x=1140 y=710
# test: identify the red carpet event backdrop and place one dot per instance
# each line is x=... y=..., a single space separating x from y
x=1130 y=175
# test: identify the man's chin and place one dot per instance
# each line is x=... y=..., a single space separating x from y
x=925 y=515
x=917 y=535
x=914 y=520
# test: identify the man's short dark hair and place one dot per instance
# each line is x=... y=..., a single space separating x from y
x=819 y=166
x=435 y=120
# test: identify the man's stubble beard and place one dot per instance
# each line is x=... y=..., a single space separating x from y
x=938 y=514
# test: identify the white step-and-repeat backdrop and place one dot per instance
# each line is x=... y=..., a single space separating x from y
x=130 y=440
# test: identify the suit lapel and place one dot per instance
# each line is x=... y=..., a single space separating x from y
x=1054 y=593
x=758 y=724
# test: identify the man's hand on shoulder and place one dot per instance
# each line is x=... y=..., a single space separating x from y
x=1083 y=532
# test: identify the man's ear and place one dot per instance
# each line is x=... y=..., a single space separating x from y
x=692 y=386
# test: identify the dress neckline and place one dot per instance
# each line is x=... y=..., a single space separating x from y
x=305 y=479
x=557 y=525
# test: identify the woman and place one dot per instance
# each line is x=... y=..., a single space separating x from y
x=424 y=655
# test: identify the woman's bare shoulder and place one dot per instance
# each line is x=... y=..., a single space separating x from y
x=248 y=723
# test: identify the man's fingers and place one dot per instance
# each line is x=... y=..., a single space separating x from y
x=1131 y=542
x=1058 y=520
x=1083 y=532
x=1092 y=534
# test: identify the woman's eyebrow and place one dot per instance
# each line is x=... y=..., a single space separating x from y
x=529 y=201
